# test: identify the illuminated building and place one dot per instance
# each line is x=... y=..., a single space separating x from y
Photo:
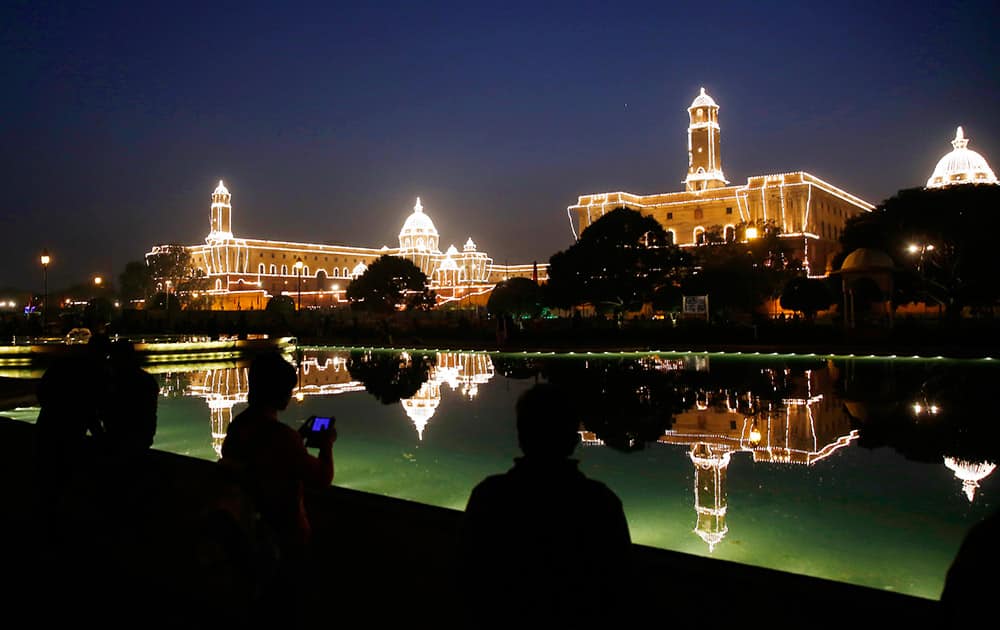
x=807 y=209
x=961 y=166
x=245 y=272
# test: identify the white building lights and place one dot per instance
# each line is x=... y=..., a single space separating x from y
x=245 y=273
x=961 y=166
x=804 y=207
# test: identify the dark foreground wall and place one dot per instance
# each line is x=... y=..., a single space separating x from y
x=146 y=549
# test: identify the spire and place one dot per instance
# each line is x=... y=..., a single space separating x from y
x=960 y=141
x=418 y=208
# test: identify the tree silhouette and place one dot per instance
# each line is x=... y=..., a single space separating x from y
x=619 y=263
x=390 y=283
x=806 y=295
x=520 y=297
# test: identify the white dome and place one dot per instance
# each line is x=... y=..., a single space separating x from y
x=418 y=223
x=470 y=245
x=961 y=166
x=703 y=100
x=418 y=233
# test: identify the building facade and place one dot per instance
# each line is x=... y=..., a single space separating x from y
x=807 y=209
x=243 y=273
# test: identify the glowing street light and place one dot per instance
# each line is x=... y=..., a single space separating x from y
x=98 y=281
x=751 y=233
x=922 y=249
x=298 y=272
x=45 y=260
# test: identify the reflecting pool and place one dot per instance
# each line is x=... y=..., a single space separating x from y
x=866 y=471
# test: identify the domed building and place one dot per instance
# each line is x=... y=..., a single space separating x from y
x=242 y=273
x=418 y=240
x=961 y=166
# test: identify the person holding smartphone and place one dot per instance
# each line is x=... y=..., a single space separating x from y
x=270 y=457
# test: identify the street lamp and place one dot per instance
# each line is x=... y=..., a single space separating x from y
x=45 y=260
x=921 y=248
x=298 y=272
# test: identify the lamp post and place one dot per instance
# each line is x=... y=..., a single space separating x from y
x=921 y=248
x=298 y=272
x=45 y=260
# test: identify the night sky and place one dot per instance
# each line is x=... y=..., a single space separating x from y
x=327 y=120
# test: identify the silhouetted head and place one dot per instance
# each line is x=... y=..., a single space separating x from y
x=99 y=346
x=123 y=354
x=271 y=381
x=547 y=424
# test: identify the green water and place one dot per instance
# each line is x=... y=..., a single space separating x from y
x=880 y=510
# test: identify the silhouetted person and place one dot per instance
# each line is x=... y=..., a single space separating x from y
x=129 y=413
x=543 y=539
x=971 y=586
x=275 y=467
x=69 y=395
x=69 y=536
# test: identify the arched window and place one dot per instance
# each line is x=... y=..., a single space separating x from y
x=699 y=235
x=260 y=269
x=320 y=273
x=305 y=270
x=274 y=270
x=284 y=270
x=346 y=272
x=671 y=237
x=730 y=234
x=336 y=272
x=218 y=284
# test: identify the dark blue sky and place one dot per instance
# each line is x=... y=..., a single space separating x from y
x=327 y=120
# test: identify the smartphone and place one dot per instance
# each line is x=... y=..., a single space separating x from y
x=321 y=424
x=314 y=428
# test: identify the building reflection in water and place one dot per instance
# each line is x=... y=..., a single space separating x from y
x=222 y=389
x=971 y=473
x=463 y=372
x=327 y=375
x=801 y=424
x=802 y=427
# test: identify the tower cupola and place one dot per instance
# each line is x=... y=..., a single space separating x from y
x=704 y=156
x=221 y=226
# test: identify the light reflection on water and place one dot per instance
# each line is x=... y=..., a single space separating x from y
x=836 y=469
